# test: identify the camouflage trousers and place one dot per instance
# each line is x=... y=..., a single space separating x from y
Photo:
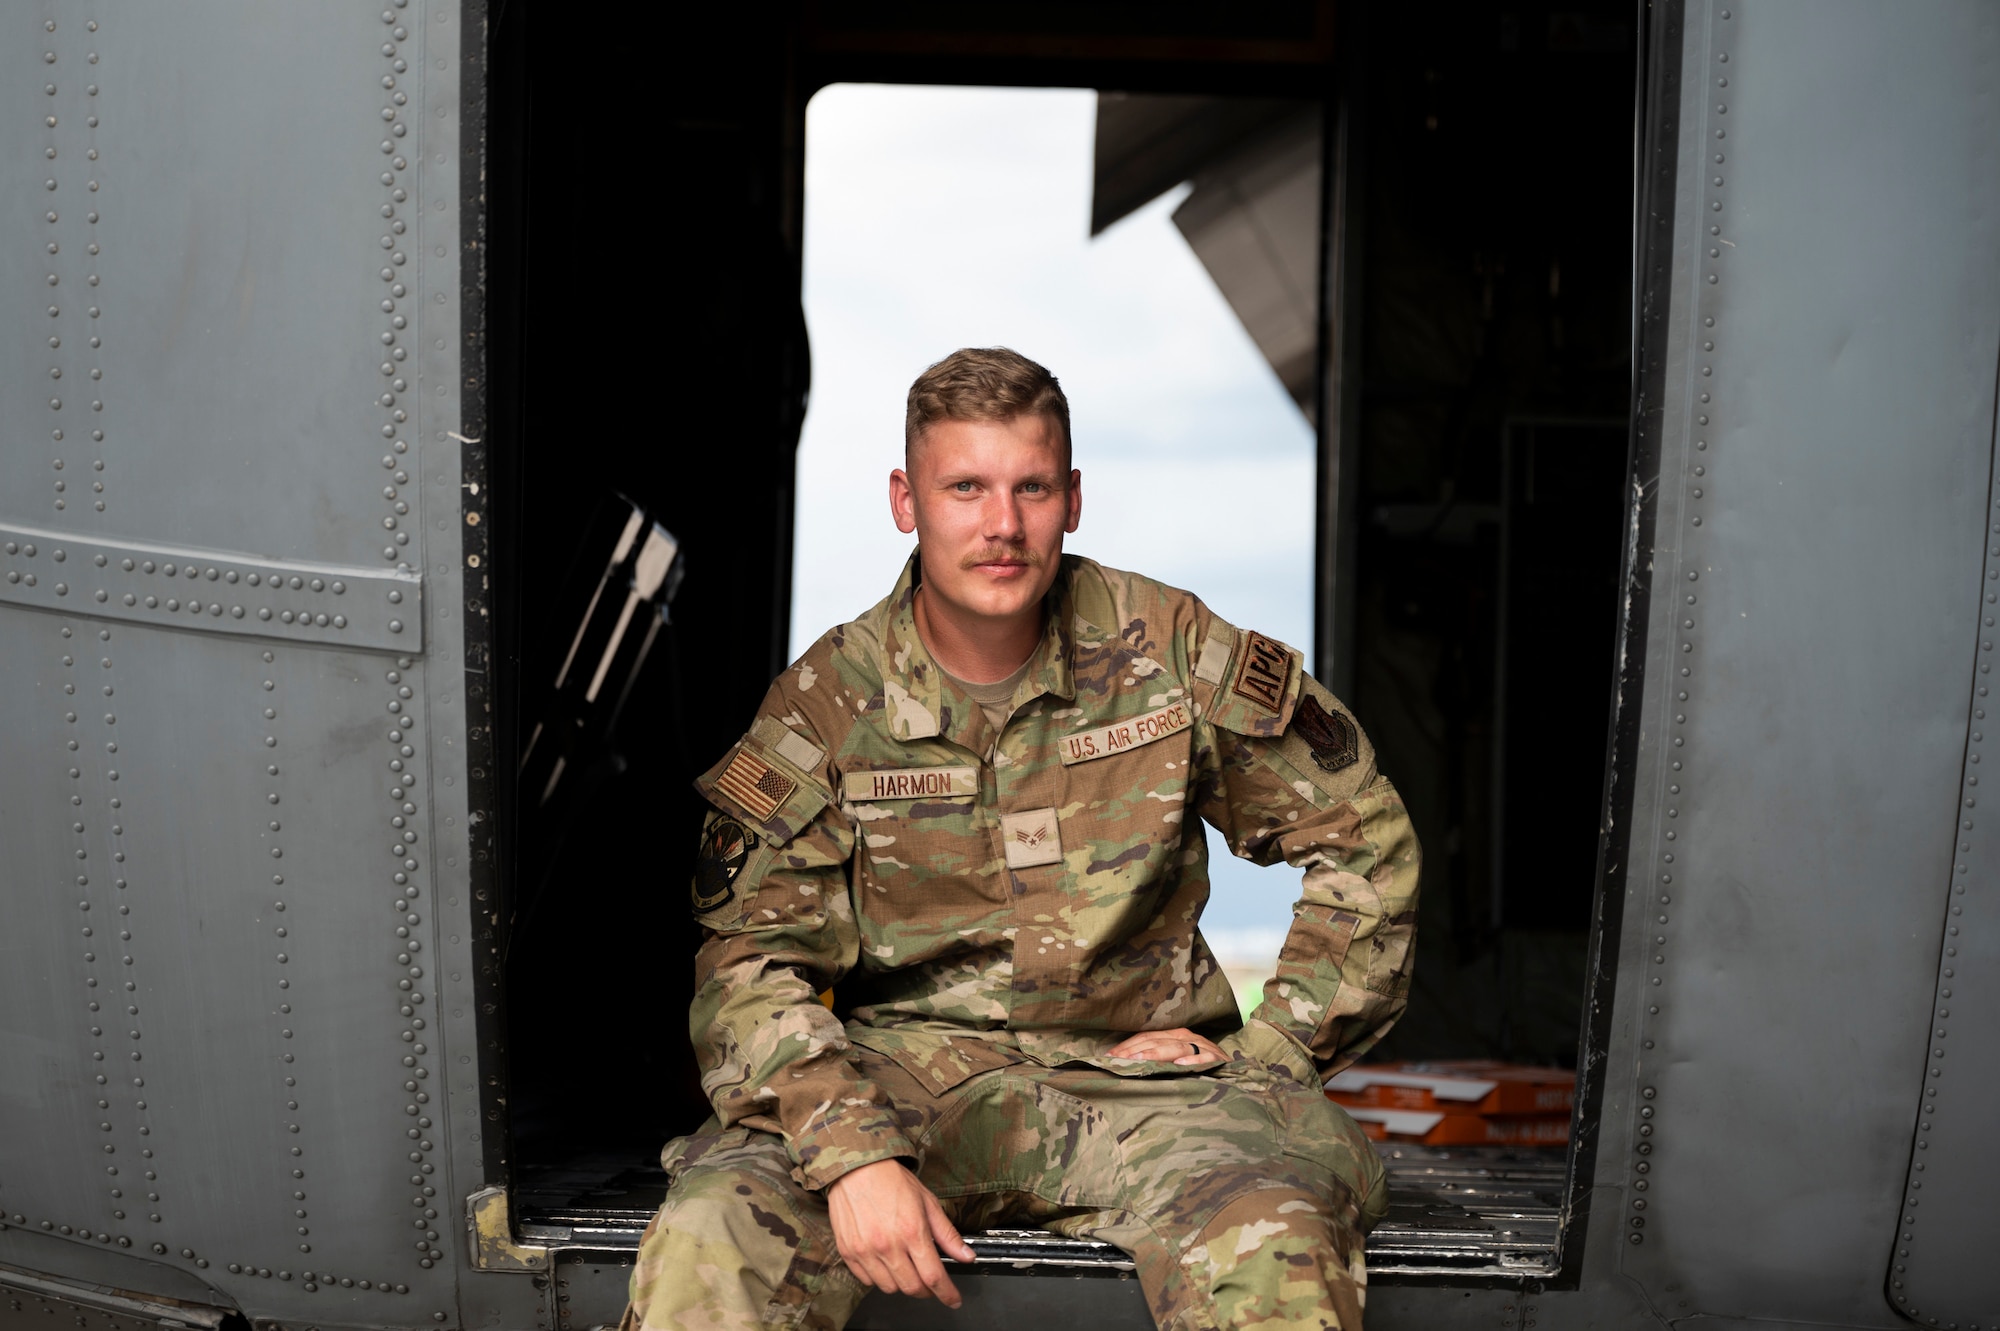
x=1241 y=1194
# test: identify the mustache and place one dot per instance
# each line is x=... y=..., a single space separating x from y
x=1003 y=554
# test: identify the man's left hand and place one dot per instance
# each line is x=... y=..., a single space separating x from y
x=1179 y=1045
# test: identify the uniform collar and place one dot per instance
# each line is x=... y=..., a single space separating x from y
x=919 y=701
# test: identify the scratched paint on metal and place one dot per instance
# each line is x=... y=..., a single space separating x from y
x=235 y=938
x=1836 y=284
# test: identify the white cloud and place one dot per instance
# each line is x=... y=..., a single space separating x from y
x=945 y=217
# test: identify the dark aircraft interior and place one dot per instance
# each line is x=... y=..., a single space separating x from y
x=1471 y=388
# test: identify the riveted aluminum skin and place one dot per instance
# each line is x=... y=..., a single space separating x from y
x=1808 y=550
x=238 y=277
x=236 y=967
x=1816 y=595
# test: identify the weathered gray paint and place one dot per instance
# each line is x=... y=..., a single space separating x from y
x=1843 y=424
x=1772 y=998
x=48 y=568
x=1833 y=673
x=1823 y=498
x=221 y=229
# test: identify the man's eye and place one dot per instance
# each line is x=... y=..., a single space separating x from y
x=1033 y=487
x=963 y=487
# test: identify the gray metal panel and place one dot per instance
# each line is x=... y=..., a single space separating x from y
x=27 y=1298
x=1943 y=1267
x=233 y=172
x=1943 y=1271
x=1822 y=501
x=255 y=344
x=211 y=591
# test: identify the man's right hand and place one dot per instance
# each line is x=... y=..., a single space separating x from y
x=889 y=1229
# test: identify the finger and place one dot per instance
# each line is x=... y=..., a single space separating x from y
x=872 y=1271
x=946 y=1292
x=1137 y=1043
x=949 y=1241
x=905 y=1275
x=862 y=1269
x=930 y=1271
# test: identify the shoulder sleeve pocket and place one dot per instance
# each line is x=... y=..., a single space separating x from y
x=1326 y=744
x=1257 y=687
x=760 y=803
x=1245 y=682
x=767 y=791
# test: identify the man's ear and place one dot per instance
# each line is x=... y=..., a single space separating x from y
x=903 y=502
x=1075 y=501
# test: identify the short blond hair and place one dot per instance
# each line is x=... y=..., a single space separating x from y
x=983 y=384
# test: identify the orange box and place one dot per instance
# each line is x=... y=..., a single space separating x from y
x=1429 y=1127
x=1467 y=1086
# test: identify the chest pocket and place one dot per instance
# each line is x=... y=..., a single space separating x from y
x=917 y=816
x=1123 y=795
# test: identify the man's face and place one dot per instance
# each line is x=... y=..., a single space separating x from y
x=989 y=502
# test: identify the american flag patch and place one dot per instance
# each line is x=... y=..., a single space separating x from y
x=754 y=785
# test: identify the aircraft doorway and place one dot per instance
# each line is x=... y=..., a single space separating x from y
x=1459 y=591
x=1489 y=404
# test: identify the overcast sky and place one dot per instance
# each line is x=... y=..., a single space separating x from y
x=945 y=217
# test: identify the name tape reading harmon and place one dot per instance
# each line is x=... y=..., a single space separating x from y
x=910 y=783
x=1122 y=735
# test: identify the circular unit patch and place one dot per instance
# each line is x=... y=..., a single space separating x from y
x=725 y=844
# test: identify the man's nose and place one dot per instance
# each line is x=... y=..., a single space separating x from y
x=1003 y=518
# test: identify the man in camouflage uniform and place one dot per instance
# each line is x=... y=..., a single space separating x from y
x=970 y=815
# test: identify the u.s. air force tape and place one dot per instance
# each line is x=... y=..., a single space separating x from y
x=1122 y=735
x=910 y=783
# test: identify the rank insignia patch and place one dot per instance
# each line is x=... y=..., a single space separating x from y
x=1266 y=667
x=725 y=844
x=1334 y=742
x=1031 y=838
x=754 y=785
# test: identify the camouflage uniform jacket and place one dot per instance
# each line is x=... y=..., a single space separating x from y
x=976 y=899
